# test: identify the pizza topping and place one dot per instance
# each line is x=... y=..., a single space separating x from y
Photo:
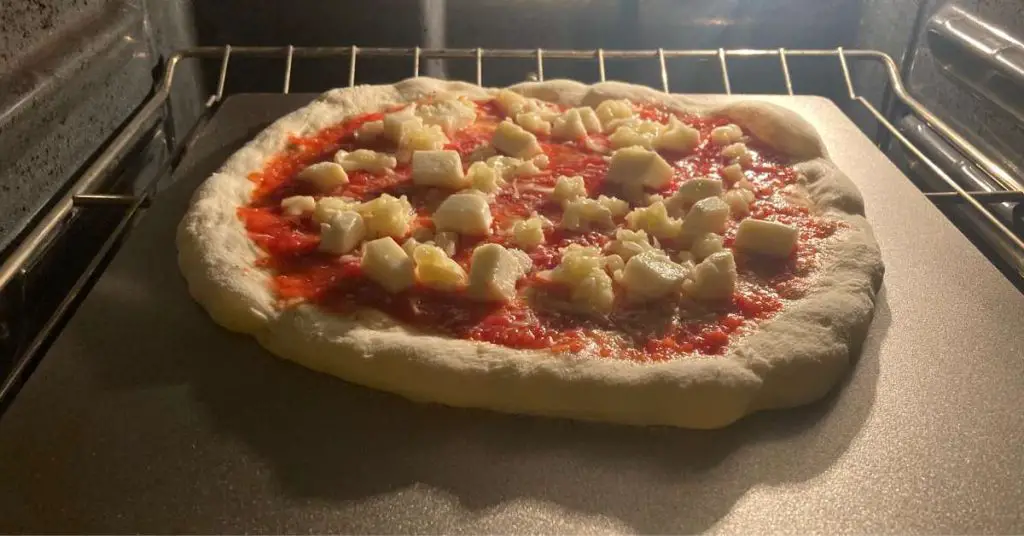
x=342 y=232
x=766 y=237
x=328 y=206
x=616 y=206
x=398 y=124
x=438 y=168
x=714 y=278
x=421 y=138
x=365 y=160
x=611 y=112
x=464 y=213
x=297 y=205
x=633 y=166
x=677 y=137
x=512 y=140
x=576 y=123
x=704 y=245
x=629 y=243
x=732 y=174
x=654 y=219
x=448 y=241
x=529 y=233
x=726 y=134
x=692 y=191
x=583 y=271
x=652 y=275
x=386 y=263
x=569 y=188
x=533 y=122
x=448 y=114
x=370 y=131
x=635 y=132
x=484 y=178
x=586 y=214
x=494 y=271
x=739 y=201
x=325 y=176
x=511 y=103
x=435 y=269
x=386 y=216
x=709 y=215
x=739 y=153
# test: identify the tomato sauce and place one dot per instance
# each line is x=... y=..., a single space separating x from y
x=648 y=332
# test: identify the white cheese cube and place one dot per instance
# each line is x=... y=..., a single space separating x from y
x=735 y=150
x=569 y=188
x=438 y=168
x=328 y=206
x=435 y=269
x=678 y=137
x=510 y=103
x=387 y=216
x=638 y=133
x=493 y=272
x=706 y=244
x=325 y=176
x=449 y=114
x=511 y=139
x=297 y=205
x=612 y=110
x=365 y=159
x=529 y=233
x=766 y=237
x=484 y=178
x=726 y=135
x=533 y=122
x=651 y=275
x=585 y=214
x=421 y=138
x=410 y=245
x=629 y=243
x=342 y=233
x=709 y=215
x=464 y=213
x=739 y=201
x=692 y=191
x=540 y=162
x=448 y=241
x=732 y=174
x=595 y=293
x=655 y=220
x=576 y=123
x=370 y=131
x=582 y=269
x=616 y=206
x=396 y=125
x=636 y=165
x=386 y=263
x=577 y=261
x=714 y=278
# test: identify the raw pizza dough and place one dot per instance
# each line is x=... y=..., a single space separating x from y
x=792 y=359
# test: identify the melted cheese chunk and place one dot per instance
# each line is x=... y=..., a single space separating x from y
x=464 y=213
x=629 y=243
x=422 y=138
x=396 y=125
x=386 y=263
x=616 y=206
x=638 y=133
x=435 y=269
x=511 y=139
x=449 y=114
x=533 y=122
x=678 y=137
x=387 y=216
x=692 y=191
x=327 y=206
x=611 y=111
x=365 y=159
x=569 y=188
x=438 y=168
x=638 y=166
x=509 y=167
x=586 y=214
x=297 y=205
x=583 y=270
x=739 y=152
x=410 y=245
x=714 y=278
x=709 y=215
x=325 y=176
x=726 y=135
x=511 y=103
x=370 y=131
x=484 y=178
x=739 y=201
x=652 y=275
x=529 y=233
x=766 y=237
x=706 y=244
x=654 y=219
x=576 y=123
x=342 y=233
x=447 y=241
x=732 y=174
x=493 y=272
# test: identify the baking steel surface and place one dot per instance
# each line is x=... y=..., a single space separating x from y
x=146 y=417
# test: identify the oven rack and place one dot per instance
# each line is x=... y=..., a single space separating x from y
x=83 y=192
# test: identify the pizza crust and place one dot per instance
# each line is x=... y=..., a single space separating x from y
x=793 y=359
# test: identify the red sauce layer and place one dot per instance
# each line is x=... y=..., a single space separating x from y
x=648 y=332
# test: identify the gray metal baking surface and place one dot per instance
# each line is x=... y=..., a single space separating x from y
x=146 y=417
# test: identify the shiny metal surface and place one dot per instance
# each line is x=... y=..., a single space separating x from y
x=146 y=417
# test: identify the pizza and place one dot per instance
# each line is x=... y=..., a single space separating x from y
x=603 y=252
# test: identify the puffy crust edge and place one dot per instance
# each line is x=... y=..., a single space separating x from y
x=793 y=359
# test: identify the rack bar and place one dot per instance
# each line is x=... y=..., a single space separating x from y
x=982 y=196
x=480 y=67
x=92 y=200
x=416 y=63
x=352 y=66
x=288 y=70
x=540 y=65
x=600 y=63
x=222 y=78
x=785 y=71
x=664 y=72
x=725 y=72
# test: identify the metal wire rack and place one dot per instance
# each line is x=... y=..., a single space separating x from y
x=83 y=192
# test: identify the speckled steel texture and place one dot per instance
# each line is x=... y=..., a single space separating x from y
x=147 y=417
